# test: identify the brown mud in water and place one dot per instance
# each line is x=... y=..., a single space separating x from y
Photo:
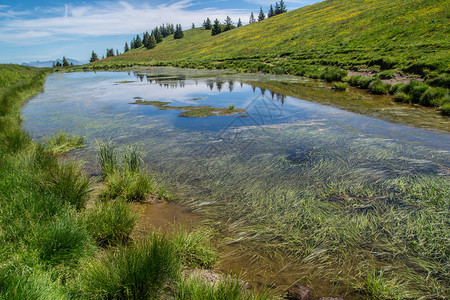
x=163 y=216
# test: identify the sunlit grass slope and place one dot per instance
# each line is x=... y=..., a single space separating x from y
x=407 y=34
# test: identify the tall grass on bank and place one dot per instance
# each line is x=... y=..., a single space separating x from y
x=140 y=271
x=111 y=222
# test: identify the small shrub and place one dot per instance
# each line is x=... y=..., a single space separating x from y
x=402 y=97
x=340 y=86
x=333 y=74
x=395 y=87
x=441 y=81
x=139 y=271
x=445 y=109
x=354 y=80
x=364 y=82
x=230 y=107
x=420 y=68
x=378 y=87
x=383 y=63
x=110 y=223
x=195 y=249
x=388 y=74
x=432 y=97
x=417 y=91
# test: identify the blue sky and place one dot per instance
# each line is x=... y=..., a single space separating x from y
x=43 y=30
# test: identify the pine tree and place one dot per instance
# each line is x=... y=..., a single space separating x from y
x=65 y=62
x=158 y=35
x=117 y=52
x=207 y=24
x=138 y=42
x=133 y=43
x=252 y=19
x=146 y=39
x=277 y=9
x=283 y=8
x=239 y=24
x=216 y=29
x=261 y=15
x=228 y=24
x=94 y=57
x=178 y=32
x=193 y=26
x=126 y=48
x=164 y=31
x=271 y=13
x=152 y=43
x=109 y=52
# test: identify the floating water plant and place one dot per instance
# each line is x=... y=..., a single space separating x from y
x=194 y=111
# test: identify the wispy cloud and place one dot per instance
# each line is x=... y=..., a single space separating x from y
x=103 y=19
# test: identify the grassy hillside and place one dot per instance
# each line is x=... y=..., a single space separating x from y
x=353 y=34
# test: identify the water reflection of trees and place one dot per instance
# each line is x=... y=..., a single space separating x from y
x=219 y=84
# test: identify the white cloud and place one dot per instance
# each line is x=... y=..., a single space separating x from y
x=106 y=19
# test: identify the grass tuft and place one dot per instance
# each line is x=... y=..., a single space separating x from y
x=138 y=271
x=110 y=223
x=195 y=248
x=340 y=86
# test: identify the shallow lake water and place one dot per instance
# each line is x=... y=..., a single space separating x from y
x=282 y=144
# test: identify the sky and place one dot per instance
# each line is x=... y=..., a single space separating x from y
x=32 y=30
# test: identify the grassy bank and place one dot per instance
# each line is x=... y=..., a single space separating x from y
x=385 y=40
x=55 y=246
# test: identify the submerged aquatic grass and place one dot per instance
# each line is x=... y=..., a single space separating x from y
x=62 y=142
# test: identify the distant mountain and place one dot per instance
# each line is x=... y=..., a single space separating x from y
x=49 y=63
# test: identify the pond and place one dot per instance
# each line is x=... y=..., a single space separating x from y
x=248 y=169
